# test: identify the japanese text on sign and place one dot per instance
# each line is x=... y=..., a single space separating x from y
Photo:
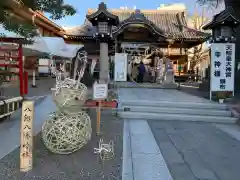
x=100 y=91
x=26 y=136
x=222 y=66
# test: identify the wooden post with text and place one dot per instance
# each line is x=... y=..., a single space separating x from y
x=26 y=143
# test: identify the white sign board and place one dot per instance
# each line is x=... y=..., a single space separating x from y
x=26 y=144
x=120 y=69
x=222 y=66
x=100 y=91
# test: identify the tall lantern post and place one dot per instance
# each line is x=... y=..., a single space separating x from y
x=103 y=20
x=222 y=64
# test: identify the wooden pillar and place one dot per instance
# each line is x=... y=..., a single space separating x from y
x=168 y=50
x=117 y=45
x=186 y=58
x=181 y=47
x=181 y=50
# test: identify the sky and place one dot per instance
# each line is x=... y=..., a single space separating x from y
x=83 y=5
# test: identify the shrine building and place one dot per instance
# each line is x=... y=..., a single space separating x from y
x=140 y=32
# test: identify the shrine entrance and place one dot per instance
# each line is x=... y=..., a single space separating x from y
x=141 y=40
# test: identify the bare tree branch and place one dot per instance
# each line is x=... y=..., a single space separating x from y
x=198 y=20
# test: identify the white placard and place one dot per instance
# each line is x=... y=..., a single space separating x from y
x=26 y=143
x=121 y=66
x=222 y=66
x=100 y=91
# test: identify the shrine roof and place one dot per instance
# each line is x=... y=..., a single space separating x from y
x=172 y=23
x=227 y=14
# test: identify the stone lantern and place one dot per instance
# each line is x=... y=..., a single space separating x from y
x=103 y=20
x=223 y=28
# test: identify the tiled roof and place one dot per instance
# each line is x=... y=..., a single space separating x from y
x=227 y=14
x=172 y=23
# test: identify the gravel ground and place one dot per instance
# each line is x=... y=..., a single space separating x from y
x=81 y=165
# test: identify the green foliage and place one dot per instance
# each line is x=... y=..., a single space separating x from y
x=56 y=8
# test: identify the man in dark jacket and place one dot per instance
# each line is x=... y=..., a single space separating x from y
x=141 y=73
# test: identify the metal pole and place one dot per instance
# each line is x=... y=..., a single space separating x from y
x=179 y=74
x=34 y=79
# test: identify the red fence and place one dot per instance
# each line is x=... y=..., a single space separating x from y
x=11 y=56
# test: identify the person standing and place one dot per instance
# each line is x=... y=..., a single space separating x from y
x=141 y=73
x=129 y=71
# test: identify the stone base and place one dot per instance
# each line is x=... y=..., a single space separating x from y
x=169 y=78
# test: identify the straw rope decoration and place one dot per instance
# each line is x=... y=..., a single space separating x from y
x=65 y=134
x=105 y=151
x=69 y=128
x=161 y=76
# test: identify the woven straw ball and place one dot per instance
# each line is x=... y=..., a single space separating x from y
x=69 y=100
x=65 y=134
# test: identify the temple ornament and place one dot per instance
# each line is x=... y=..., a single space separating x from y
x=69 y=128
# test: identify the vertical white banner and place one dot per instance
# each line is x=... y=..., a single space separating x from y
x=121 y=66
x=26 y=143
x=222 y=66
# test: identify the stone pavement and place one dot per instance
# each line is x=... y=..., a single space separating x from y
x=196 y=151
x=166 y=150
x=142 y=159
x=157 y=95
x=43 y=88
x=194 y=90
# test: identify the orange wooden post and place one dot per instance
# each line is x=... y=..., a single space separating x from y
x=98 y=128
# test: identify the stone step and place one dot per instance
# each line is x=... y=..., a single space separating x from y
x=175 y=104
x=177 y=117
x=173 y=110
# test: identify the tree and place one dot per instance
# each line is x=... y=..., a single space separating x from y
x=197 y=21
x=25 y=28
x=235 y=4
x=214 y=3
